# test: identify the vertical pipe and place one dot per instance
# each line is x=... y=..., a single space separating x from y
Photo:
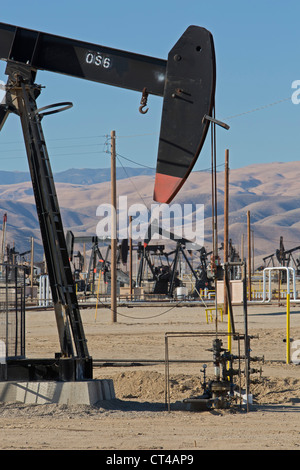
x=31 y=267
x=288 y=349
x=215 y=215
x=247 y=339
x=294 y=285
x=167 y=374
x=84 y=258
x=16 y=309
x=113 y=230
x=229 y=332
x=279 y=287
x=130 y=256
x=212 y=194
x=6 y=310
x=226 y=212
x=249 y=255
x=215 y=189
x=23 y=345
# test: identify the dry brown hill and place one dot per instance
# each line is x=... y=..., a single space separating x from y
x=269 y=191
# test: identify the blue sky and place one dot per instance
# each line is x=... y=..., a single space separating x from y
x=257 y=53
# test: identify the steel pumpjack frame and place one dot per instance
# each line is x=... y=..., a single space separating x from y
x=186 y=81
x=73 y=362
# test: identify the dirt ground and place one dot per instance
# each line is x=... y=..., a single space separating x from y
x=138 y=418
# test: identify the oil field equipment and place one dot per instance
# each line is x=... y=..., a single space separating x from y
x=284 y=257
x=224 y=387
x=186 y=81
x=165 y=275
x=99 y=261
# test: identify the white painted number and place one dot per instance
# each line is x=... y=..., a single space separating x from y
x=106 y=63
x=96 y=58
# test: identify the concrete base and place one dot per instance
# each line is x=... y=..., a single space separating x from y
x=87 y=392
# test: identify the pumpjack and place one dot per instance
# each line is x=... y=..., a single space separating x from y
x=186 y=81
x=285 y=258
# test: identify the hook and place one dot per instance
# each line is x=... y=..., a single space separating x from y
x=144 y=102
x=143 y=111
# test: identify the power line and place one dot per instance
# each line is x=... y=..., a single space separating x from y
x=136 y=163
x=136 y=135
x=59 y=155
x=258 y=108
x=59 y=139
x=137 y=191
x=152 y=316
x=60 y=147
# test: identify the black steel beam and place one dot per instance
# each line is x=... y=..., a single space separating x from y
x=186 y=81
x=43 y=51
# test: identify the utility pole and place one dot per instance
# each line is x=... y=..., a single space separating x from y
x=242 y=247
x=113 y=282
x=249 y=255
x=252 y=244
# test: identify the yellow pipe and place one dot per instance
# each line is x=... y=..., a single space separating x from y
x=288 y=350
x=229 y=331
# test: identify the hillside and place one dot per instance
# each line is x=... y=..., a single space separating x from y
x=269 y=191
x=77 y=176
